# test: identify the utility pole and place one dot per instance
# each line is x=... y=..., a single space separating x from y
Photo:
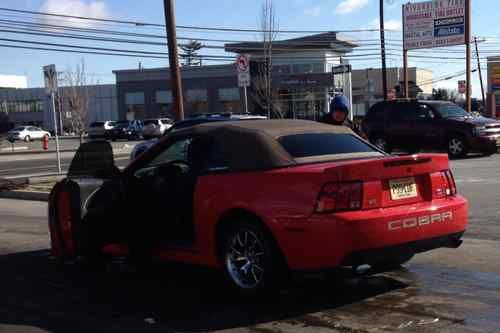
x=405 y=62
x=175 y=73
x=382 y=49
x=468 y=55
x=480 y=73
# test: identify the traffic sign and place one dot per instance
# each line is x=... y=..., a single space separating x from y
x=243 y=68
x=50 y=78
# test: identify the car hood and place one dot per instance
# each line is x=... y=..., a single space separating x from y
x=478 y=121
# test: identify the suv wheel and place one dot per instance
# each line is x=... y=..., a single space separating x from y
x=457 y=146
x=381 y=143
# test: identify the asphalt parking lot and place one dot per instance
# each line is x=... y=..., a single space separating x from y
x=446 y=290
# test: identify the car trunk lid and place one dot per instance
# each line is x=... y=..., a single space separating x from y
x=396 y=180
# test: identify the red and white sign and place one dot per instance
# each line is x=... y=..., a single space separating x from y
x=433 y=23
x=243 y=68
x=462 y=87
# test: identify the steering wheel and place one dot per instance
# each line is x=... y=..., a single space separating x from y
x=182 y=164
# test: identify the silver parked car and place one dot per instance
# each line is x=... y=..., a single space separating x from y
x=27 y=133
x=200 y=119
x=154 y=128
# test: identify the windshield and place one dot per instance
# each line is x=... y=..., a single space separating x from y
x=150 y=122
x=122 y=124
x=320 y=144
x=97 y=124
x=452 y=111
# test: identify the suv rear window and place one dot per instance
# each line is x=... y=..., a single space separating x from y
x=320 y=144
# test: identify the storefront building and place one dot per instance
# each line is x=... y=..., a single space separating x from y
x=306 y=73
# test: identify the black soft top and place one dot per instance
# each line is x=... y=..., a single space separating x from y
x=253 y=145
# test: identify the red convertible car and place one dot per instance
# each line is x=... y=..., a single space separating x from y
x=258 y=199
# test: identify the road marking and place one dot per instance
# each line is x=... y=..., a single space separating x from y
x=50 y=166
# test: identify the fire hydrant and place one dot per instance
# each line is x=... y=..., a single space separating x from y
x=45 y=141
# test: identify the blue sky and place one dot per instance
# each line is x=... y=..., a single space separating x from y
x=292 y=14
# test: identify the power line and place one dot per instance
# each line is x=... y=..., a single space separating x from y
x=139 y=23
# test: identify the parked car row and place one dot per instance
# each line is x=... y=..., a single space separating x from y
x=129 y=129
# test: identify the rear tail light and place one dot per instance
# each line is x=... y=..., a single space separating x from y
x=336 y=197
x=452 y=186
x=65 y=220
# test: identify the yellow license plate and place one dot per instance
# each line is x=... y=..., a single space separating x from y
x=404 y=188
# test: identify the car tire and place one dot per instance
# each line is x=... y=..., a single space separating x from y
x=457 y=146
x=27 y=138
x=381 y=142
x=251 y=260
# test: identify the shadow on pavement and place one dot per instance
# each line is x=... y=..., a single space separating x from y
x=38 y=292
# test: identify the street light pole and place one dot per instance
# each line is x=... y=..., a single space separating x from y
x=175 y=73
x=382 y=50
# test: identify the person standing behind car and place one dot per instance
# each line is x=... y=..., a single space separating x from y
x=339 y=110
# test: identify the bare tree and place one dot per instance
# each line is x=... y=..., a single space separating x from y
x=190 y=56
x=76 y=95
x=264 y=95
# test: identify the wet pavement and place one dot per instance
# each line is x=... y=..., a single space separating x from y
x=446 y=290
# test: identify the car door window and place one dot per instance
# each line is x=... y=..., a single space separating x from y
x=424 y=112
x=216 y=159
x=177 y=151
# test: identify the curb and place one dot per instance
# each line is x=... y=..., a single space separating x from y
x=34 y=152
x=25 y=195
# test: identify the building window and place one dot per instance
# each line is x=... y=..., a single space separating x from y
x=229 y=94
x=302 y=68
x=164 y=97
x=23 y=106
x=197 y=95
x=282 y=69
x=197 y=101
x=164 y=101
x=230 y=99
x=134 y=102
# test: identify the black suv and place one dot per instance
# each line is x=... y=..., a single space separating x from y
x=126 y=129
x=412 y=125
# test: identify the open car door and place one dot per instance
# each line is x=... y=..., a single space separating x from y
x=71 y=199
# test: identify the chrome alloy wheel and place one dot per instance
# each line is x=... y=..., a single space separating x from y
x=245 y=259
x=456 y=146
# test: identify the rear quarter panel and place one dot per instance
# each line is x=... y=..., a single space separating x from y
x=282 y=199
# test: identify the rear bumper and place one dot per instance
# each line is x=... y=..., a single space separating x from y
x=380 y=255
x=485 y=143
x=327 y=241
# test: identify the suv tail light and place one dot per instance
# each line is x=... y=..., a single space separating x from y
x=452 y=186
x=336 y=197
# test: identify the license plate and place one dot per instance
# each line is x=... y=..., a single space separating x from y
x=403 y=188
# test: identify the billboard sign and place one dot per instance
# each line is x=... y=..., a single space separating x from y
x=494 y=76
x=435 y=23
